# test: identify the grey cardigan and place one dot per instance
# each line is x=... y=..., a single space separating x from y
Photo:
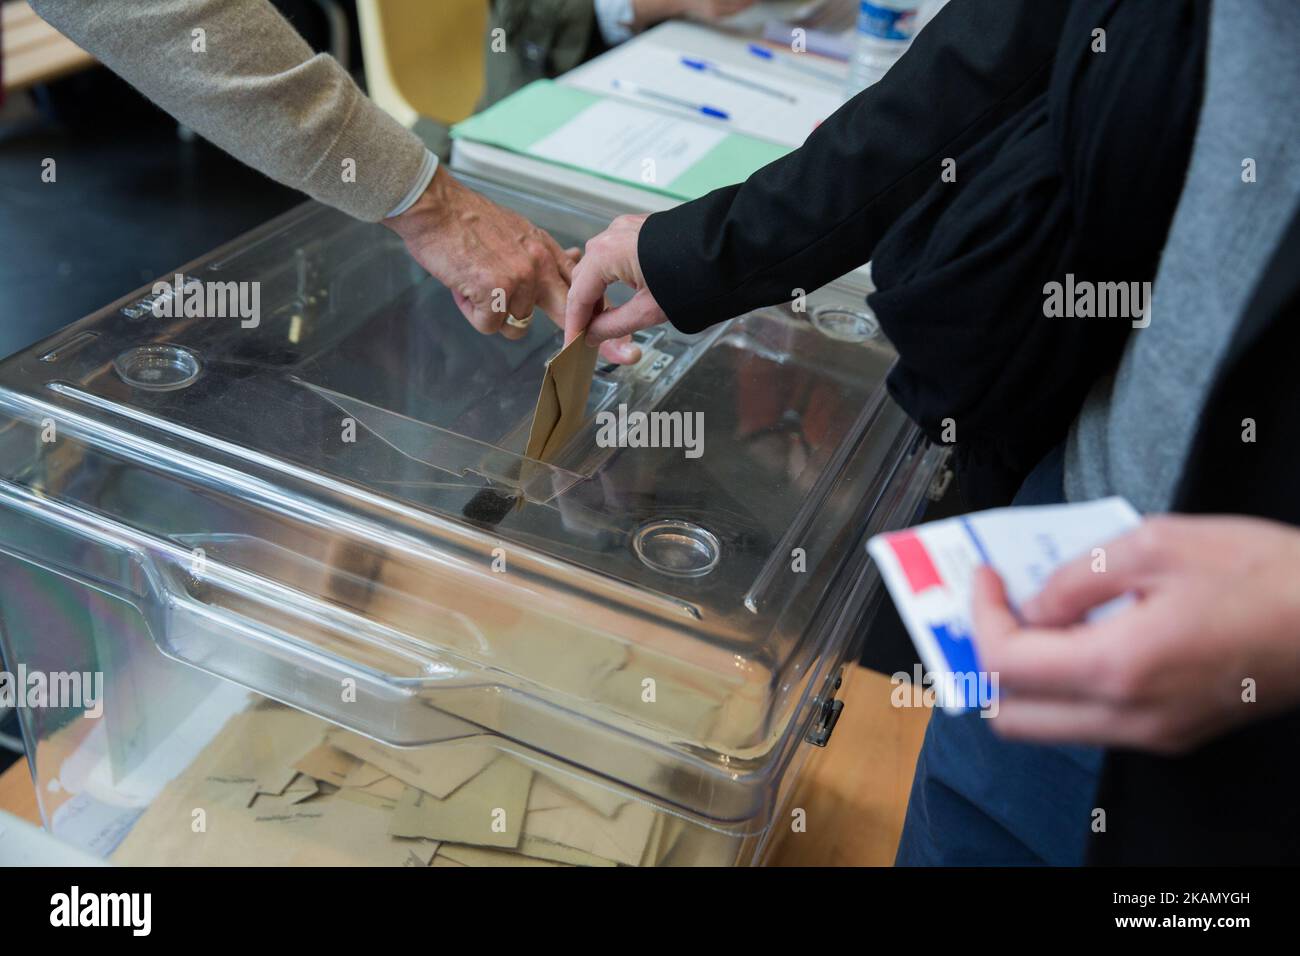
x=253 y=87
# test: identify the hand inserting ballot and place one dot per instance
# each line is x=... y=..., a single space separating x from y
x=496 y=263
x=611 y=257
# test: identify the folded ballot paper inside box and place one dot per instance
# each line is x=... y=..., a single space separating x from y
x=331 y=504
x=278 y=787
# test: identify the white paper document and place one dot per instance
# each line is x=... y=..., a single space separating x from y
x=629 y=144
x=745 y=94
x=930 y=569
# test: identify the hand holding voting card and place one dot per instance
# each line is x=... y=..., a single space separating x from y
x=929 y=571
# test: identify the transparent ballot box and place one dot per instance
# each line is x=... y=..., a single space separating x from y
x=322 y=609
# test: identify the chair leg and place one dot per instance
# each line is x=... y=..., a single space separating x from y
x=340 y=35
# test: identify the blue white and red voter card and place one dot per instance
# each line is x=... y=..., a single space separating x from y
x=929 y=571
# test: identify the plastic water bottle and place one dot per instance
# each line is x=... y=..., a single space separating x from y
x=885 y=31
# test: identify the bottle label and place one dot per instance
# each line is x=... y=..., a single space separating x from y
x=886 y=23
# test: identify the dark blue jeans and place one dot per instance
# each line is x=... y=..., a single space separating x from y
x=979 y=800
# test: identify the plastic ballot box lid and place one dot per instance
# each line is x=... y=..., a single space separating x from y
x=300 y=469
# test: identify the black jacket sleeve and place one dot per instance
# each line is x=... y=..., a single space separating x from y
x=817 y=213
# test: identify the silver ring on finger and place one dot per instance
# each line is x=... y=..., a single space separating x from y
x=520 y=323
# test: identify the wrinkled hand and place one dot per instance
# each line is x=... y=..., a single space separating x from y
x=713 y=9
x=611 y=257
x=1217 y=604
x=496 y=263
x=649 y=12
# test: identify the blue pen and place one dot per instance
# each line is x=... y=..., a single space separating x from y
x=763 y=53
x=704 y=66
x=709 y=111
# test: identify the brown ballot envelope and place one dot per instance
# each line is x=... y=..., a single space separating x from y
x=486 y=811
x=562 y=402
x=437 y=771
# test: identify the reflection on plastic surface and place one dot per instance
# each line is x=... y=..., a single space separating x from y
x=331 y=504
x=455 y=454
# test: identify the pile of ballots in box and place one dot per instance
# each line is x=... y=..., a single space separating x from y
x=280 y=787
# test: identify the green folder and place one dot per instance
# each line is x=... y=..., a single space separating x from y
x=525 y=118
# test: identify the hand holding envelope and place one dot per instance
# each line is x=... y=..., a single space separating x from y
x=562 y=401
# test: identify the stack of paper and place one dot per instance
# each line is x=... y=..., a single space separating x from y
x=761 y=100
x=279 y=787
x=584 y=662
x=620 y=141
x=674 y=113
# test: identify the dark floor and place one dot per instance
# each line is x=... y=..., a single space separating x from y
x=131 y=202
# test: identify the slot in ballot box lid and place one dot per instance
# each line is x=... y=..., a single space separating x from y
x=316 y=480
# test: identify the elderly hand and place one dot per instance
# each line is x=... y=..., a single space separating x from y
x=1212 y=639
x=496 y=263
x=649 y=12
x=611 y=257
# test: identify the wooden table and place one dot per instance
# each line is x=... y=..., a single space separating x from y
x=33 y=51
x=854 y=793
x=17 y=796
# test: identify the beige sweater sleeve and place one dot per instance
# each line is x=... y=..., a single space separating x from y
x=256 y=90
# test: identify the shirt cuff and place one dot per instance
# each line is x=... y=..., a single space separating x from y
x=615 y=19
x=427 y=170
